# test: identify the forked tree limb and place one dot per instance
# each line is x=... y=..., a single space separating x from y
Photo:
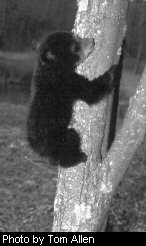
x=129 y=136
x=127 y=140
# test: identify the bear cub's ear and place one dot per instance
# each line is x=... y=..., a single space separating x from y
x=50 y=56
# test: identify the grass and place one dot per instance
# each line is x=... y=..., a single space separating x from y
x=27 y=185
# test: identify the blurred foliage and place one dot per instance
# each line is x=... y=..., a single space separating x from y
x=136 y=23
x=22 y=21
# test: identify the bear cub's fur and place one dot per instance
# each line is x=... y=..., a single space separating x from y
x=55 y=88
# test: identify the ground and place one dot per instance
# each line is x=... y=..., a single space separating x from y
x=26 y=189
x=28 y=185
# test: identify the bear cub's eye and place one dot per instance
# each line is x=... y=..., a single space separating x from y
x=75 y=47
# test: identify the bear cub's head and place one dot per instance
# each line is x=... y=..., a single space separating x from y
x=65 y=48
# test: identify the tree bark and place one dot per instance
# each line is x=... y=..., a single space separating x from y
x=84 y=192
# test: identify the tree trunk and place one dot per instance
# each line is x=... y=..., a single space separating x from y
x=84 y=192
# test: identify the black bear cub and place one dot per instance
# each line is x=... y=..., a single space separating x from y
x=55 y=88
